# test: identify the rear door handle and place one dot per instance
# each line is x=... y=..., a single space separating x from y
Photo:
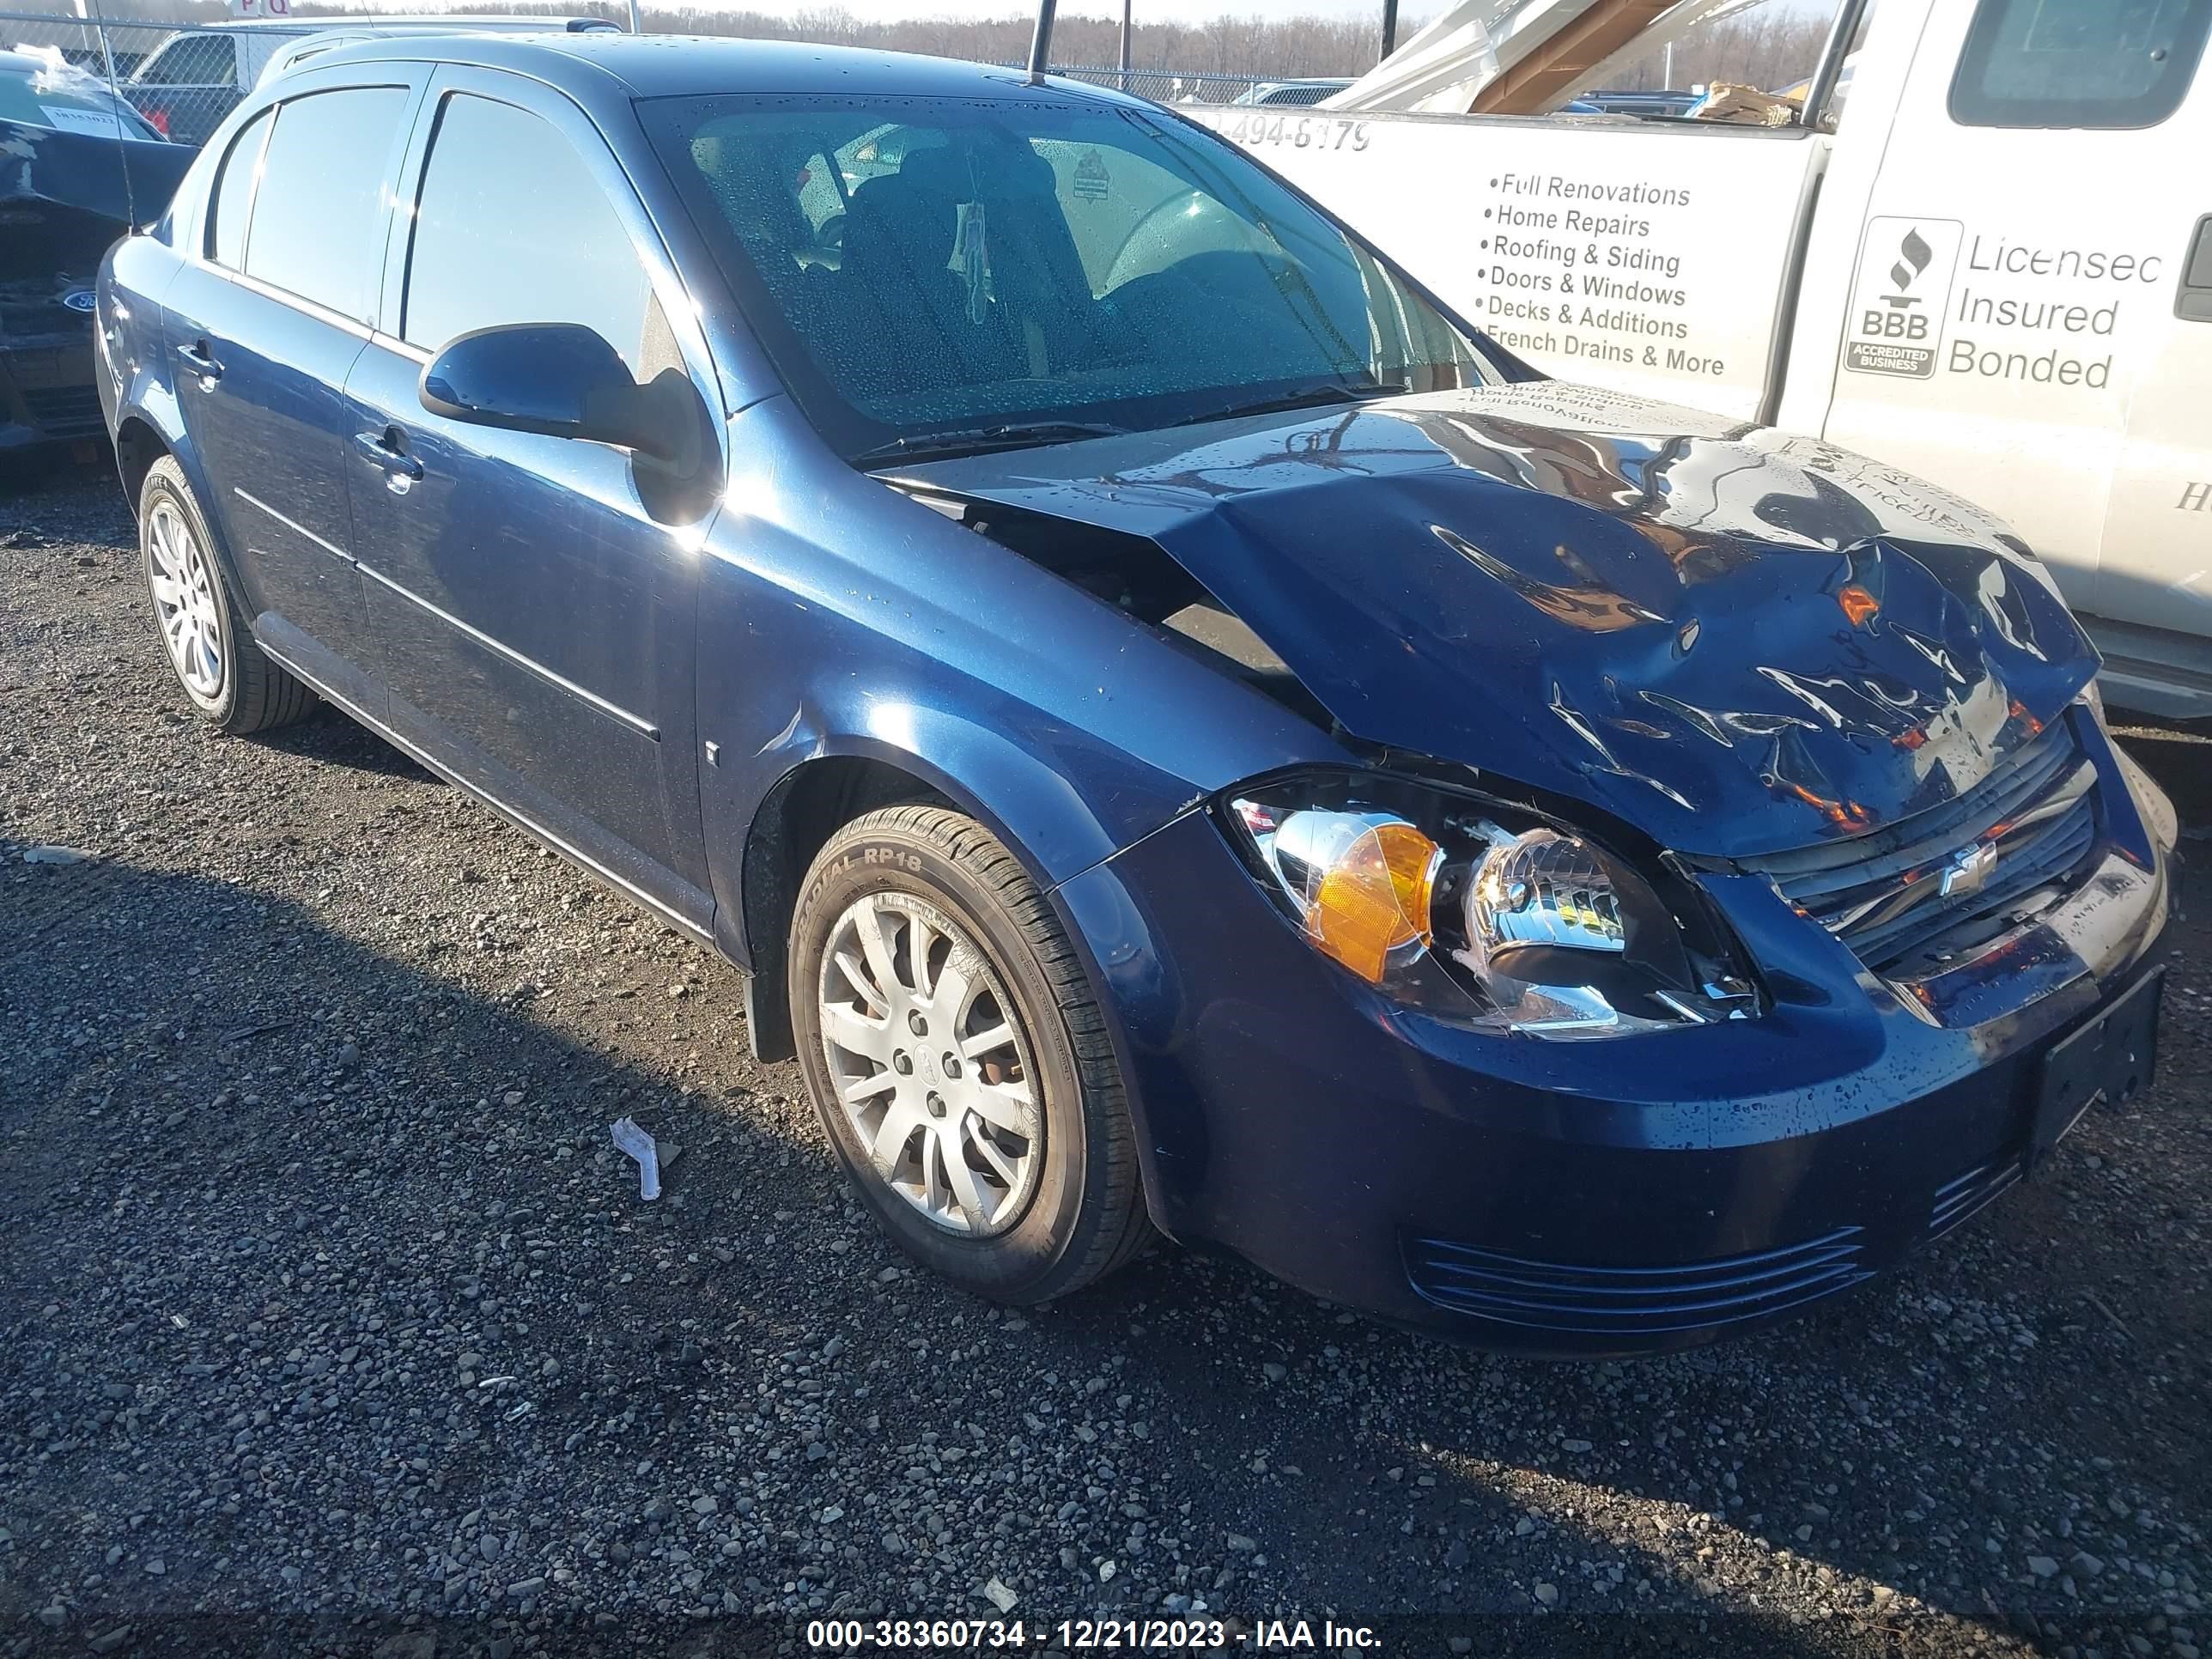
x=388 y=449
x=201 y=359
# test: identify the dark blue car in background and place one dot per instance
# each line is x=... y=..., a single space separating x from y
x=1180 y=731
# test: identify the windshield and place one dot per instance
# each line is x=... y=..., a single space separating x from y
x=927 y=268
x=41 y=88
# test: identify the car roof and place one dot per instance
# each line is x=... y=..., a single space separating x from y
x=676 y=65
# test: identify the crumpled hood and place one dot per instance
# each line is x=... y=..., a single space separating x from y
x=1737 y=640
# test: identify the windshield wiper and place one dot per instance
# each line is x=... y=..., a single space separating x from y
x=981 y=440
x=1313 y=398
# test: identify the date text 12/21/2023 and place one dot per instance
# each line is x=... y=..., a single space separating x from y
x=1089 y=1635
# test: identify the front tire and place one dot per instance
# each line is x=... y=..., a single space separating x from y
x=957 y=1061
x=232 y=683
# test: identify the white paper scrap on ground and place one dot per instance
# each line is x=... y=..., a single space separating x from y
x=629 y=1138
x=54 y=855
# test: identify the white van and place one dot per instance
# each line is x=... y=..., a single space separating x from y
x=1996 y=273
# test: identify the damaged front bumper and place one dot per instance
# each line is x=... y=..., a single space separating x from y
x=1626 y=1196
x=47 y=391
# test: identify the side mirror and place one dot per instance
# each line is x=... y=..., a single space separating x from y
x=559 y=380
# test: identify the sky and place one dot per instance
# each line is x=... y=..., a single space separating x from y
x=1156 y=11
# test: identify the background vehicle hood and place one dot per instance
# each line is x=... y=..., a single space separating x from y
x=1737 y=640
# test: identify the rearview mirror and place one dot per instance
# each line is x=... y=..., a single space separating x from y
x=559 y=380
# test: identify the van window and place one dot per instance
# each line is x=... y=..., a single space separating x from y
x=317 y=228
x=2078 y=63
x=234 y=194
x=192 y=60
x=511 y=227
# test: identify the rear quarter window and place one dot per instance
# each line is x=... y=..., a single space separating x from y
x=2078 y=63
x=234 y=194
x=318 y=217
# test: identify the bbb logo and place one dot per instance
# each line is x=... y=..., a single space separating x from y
x=80 y=298
x=1902 y=321
x=1903 y=293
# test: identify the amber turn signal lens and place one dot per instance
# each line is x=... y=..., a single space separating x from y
x=1375 y=898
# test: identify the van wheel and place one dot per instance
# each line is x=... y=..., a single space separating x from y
x=957 y=1061
x=211 y=652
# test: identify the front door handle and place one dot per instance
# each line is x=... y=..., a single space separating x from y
x=199 y=356
x=388 y=449
x=2194 y=303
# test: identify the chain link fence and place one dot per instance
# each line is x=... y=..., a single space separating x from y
x=181 y=79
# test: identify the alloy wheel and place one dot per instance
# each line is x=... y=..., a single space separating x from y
x=185 y=601
x=931 y=1064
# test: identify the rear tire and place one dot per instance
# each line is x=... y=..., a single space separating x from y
x=972 y=1096
x=230 y=682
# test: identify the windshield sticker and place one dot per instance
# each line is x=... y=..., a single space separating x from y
x=1092 y=182
x=971 y=258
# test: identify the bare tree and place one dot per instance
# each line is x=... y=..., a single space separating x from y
x=1773 y=47
x=1769 y=47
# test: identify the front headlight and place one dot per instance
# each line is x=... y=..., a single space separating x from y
x=1484 y=912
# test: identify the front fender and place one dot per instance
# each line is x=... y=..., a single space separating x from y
x=839 y=617
x=842 y=623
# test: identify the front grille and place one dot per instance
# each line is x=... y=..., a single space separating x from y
x=1625 y=1302
x=1882 y=893
x=64 y=411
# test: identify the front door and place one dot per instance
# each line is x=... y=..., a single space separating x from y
x=533 y=596
x=2158 y=530
x=2018 y=265
x=261 y=332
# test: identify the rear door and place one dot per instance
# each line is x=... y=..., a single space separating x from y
x=2157 y=570
x=2017 y=268
x=533 y=596
x=262 y=325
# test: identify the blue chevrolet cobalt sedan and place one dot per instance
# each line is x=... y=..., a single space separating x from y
x=1181 y=732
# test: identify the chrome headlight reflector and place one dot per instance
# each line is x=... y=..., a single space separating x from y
x=1481 y=913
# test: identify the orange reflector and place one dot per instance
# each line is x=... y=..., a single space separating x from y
x=1375 y=898
x=1859 y=604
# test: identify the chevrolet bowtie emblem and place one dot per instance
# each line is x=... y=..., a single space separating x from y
x=1970 y=869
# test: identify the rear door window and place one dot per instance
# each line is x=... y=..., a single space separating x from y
x=2078 y=63
x=317 y=219
x=512 y=227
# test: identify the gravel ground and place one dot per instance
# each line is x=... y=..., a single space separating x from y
x=330 y=1323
